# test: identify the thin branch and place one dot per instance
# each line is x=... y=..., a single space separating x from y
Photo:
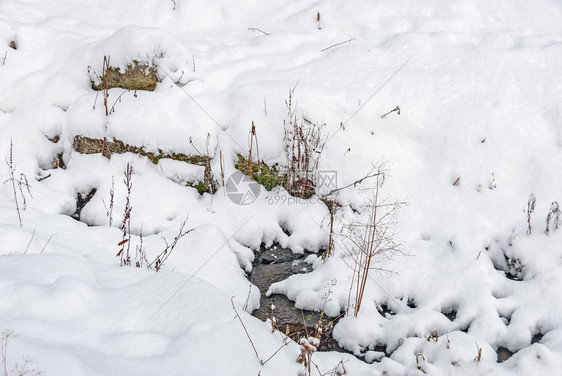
x=358 y=181
x=246 y=330
x=337 y=44
x=30 y=240
x=256 y=29
x=48 y=240
x=275 y=353
x=112 y=110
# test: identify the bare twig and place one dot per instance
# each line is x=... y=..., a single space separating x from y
x=553 y=214
x=256 y=29
x=105 y=82
x=125 y=243
x=5 y=335
x=251 y=137
x=159 y=261
x=285 y=343
x=47 y=243
x=355 y=183
x=30 y=240
x=95 y=100
x=337 y=44
x=396 y=109
x=182 y=73
x=221 y=161
x=109 y=211
x=530 y=209
x=112 y=110
x=141 y=253
x=21 y=182
x=245 y=330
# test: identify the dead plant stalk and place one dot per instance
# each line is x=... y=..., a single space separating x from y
x=373 y=239
x=105 y=80
x=125 y=243
x=161 y=258
x=252 y=136
x=21 y=182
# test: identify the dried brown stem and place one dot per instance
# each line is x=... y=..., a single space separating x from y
x=245 y=330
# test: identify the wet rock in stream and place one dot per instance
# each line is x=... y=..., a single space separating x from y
x=274 y=264
x=81 y=201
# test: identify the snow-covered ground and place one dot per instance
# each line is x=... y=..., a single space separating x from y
x=479 y=130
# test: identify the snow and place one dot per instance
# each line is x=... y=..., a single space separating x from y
x=478 y=85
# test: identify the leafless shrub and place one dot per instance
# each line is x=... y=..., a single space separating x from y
x=26 y=368
x=304 y=143
x=530 y=209
x=309 y=343
x=159 y=261
x=20 y=369
x=208 y=181
x=372 y=240
x=21 y=183
x=125 y=243
x=554 y=216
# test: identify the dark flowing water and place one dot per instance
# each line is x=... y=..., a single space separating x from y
x=274 y=264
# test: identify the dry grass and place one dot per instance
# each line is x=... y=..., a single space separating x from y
x=137 y=76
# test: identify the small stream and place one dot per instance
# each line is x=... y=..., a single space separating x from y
x=274 y=264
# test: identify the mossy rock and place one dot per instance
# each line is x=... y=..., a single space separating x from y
x=268 y=176
x=137 y=76
x=271 y=176
x=86 y=145
x=200 y=186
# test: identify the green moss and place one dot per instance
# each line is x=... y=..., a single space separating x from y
x=86 y=145
x=268 y=176
x=137 y=76
x=200 y=186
